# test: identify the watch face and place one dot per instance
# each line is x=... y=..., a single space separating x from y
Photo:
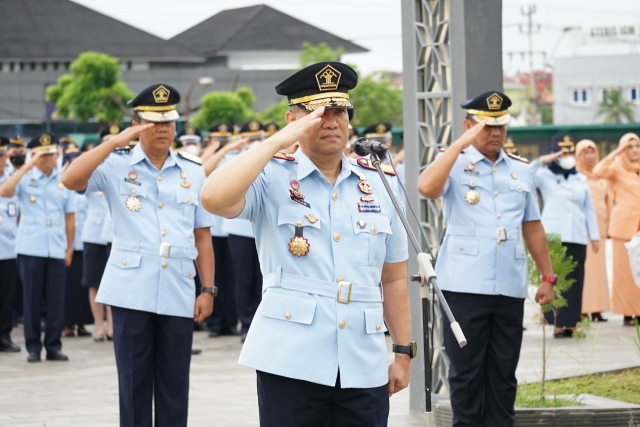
x=414 y=349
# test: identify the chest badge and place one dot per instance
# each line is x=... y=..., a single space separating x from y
x=133 y=203
x=368 y=199
x=365 y=187
x=471 y=166
x=514 y=175
x=311 y=218
x=32 y=199
x=361 y=223
x=299 y=245
x=558 y=185
x=133 y=175
x=295 y=195
x=185 y=183
x=472 y=197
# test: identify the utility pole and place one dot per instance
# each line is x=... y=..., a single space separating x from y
x=531 y=29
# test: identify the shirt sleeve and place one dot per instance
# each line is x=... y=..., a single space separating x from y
x=71 y=205
x=256 y=195
x=203 y=219
x=98 y=179
x=447 y=184
x=531 y=210
x=396 y=244
x=592 y=221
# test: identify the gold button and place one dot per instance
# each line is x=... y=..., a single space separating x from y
x=494 y=169
x=133 y=191
x=159 y=177
x=100 y=193
x=378 y=327
x=374 y=230
x=495 y=193
x=160 y=205
x=298 y=223
x=471 y=182
x=188 y=199
x=461 y=248
x=164 y=265
x=340 y=279
x=336 y=237
x=334 y=196
x=163 y=233
x=190 y=274
x=519 y=187
x=342 y=324
x=124 y=262
x=499 y=216
x=287 y=316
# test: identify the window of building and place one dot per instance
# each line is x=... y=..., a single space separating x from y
x=634 y=94
x=580 y=96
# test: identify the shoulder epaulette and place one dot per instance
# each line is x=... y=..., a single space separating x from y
x=283 y=156
x=366 y=163
x=522 y=159
x=442 y=150
x=123 y=150
x=190 y=157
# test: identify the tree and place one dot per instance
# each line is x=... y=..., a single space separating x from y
x=92 y=89
x=321 y=52
x=216 y=107
x=614 y=107
x=376 y=99
x=275 y=112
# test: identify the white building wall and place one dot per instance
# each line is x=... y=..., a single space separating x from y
x=590 y=76
x=262 y=60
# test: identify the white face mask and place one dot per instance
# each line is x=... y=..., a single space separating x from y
x=567 y=162
x=193 y=149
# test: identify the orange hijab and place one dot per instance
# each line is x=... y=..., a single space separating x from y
x=580 y=165
x=623 y=160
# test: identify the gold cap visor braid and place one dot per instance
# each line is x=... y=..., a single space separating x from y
x=491 y=120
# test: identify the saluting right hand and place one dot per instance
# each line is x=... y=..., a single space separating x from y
x=548 y=158
x=291 y=133
x=32 y=161
x=129 y=134
x=467 y=138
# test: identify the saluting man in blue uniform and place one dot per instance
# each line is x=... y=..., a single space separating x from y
x=489 y=206
x=44 y=244
x=159 y=231
x=333 y=254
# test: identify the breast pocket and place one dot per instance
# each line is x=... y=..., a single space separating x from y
x=133 y=197
x=288 y=308
x=518 y=193
x=124 y=259
x=187 y=201
x=371 y=232
x=290 y=217
x=465 y=246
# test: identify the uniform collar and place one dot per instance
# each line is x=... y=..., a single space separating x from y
x=306 y=166
x=138 y=155
x=477 y=156
x=36 y=174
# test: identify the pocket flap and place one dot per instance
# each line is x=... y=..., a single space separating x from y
x=124 y=259
x=293 y=214
x=374 y=321
x=132 y=190
x=187 y=197
x=371 y=223
x=288 y=308
x=471 y=181
x=519 y=186
x=188 y=269
x=520 y=251
x=462 y=245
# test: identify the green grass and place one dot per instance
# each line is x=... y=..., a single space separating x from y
x=623 y=386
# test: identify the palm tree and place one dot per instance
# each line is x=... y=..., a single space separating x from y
x=614 y=107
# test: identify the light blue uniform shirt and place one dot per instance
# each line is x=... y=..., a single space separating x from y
x=9 y=211
x=107 y=228
x=81 y=217
x=471 y=260
x=567 y=207
x=43 y=205
x=300 y=329
x=151 y=265
x=97 y=210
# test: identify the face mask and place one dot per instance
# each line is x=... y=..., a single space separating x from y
x=192 y=149
x=567 y=162
x=18 y=160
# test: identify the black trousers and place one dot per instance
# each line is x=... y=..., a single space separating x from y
x=482 y=375
x=43 y=280
x=8 y=283
x=224 y=318
x=569 y=316
x=288 y=402
x=247 y=276
x=153 y=357
x=77 y=310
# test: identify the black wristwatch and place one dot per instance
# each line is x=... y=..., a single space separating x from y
x=213 y=291
x=410 y=350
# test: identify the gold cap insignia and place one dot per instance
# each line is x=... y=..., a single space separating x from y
x=253 y=125
x=45 y=139
x=114 y=130
x=567 y=145
x=328 y=78
x=271 y=127
x=494 y=102
x=161 y=95
x=509 y=143
x=381 y=128
x=190 y=131
x=223 y=128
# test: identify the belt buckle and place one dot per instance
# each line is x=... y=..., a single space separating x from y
x=501 y=231
x=165 y=250
x=339 y=296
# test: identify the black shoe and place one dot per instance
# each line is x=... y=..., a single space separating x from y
x=57 y=356
x=629 y=321
x=195 y=351
x=199 y=327
x=33 y=357
x=214 y=334
x=8 y=346
x=82 y=332
x=597 y=317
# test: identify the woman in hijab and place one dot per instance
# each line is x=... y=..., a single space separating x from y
x=568 y=211
x=595 y=295
x=622 y=169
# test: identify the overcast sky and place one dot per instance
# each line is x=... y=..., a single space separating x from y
x=375 y=24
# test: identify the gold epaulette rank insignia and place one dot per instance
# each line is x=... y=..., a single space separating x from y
x=366 y=163
x=442 y=150
x=190 y=157
x=283 y=156
x=522 y=159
